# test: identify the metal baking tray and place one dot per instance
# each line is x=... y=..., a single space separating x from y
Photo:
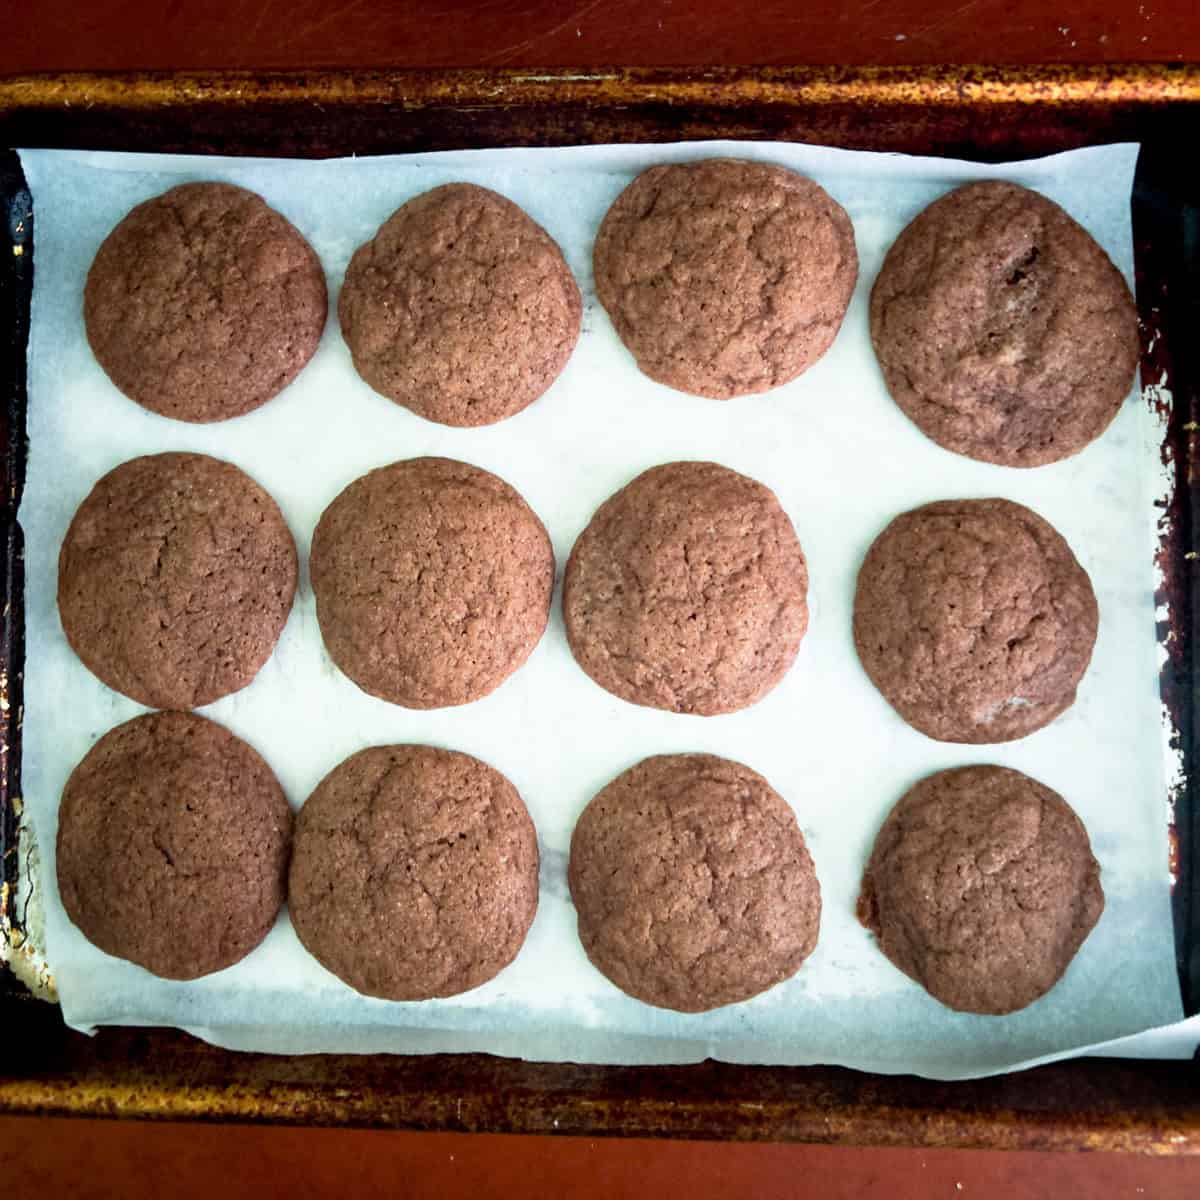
x=980 y=113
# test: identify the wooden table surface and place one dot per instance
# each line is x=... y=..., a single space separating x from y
x=169 y=34
x=96 y=1158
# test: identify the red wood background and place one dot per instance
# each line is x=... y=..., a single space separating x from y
x=169 y=34
x=82 y=1159
x=97 y=1160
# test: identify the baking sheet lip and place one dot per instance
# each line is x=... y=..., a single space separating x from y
x=480 y=1093
x=1167 y=370
x=15 y=296
x=965 y=85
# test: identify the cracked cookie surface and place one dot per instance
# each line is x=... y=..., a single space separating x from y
x=982 y=886
x=415 y=872
x=692 y=883
x=725 y=277
x=433 y=581
x=204 y=303
x=175 y=579
x=687 y=591
x=461 y=308
x=173 y=840
x=974 y=620
x=1003 y=330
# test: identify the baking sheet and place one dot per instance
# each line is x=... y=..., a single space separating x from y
x=843 y=461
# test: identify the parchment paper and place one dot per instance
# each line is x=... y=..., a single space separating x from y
x=842 y=459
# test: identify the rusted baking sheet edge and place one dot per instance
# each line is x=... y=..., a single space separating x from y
x=1143 y=83
x=979 y=112
x=1112 y=1105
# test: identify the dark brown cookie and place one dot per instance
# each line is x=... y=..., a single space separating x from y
x=173 y=840
x=415 y=872
x=461 y=307
x=974 y=620
x=687 y=591
x=433 y=582
x=692 y=883
x=981 y=887
x=725 y=277
x=175 y=579
x=203 y=303
x=1003 y=330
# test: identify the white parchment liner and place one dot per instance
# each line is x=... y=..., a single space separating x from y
x=843 y=461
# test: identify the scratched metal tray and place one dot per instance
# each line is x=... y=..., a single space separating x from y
x=987 y=114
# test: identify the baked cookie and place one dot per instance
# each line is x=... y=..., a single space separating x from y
x=1003 y=330
x=461 y=308
x=173 y=839
x=433 y=581
x=724 y=277
x=415 y=872
x=981 y=887
x=175 y=579
x=203 y=303
x=687 y=591
x=974 y=620
x=692 y=883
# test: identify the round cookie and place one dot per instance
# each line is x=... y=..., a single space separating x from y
x=173 y=840
x=687 y=591
x=461 y=308
x=981 y=887
x=692 y=883
x=1003 y=330
x=433 y=581
x=724 y=277
x=415 y=872
x=175 y=579
x=974 y=620
x=203 y=303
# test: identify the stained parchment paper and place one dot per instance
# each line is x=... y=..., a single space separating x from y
x=843 y=461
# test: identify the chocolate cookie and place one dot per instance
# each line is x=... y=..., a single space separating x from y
x=433 y=582
x=687 y=591
x=725 y=277
x=175 y=579
x=692 y=883
x=415 y=872
x=982 y=887
x=974 y=620
x=461 y=308
x=173 y=840
x=203 y=303
x=1003 y=330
